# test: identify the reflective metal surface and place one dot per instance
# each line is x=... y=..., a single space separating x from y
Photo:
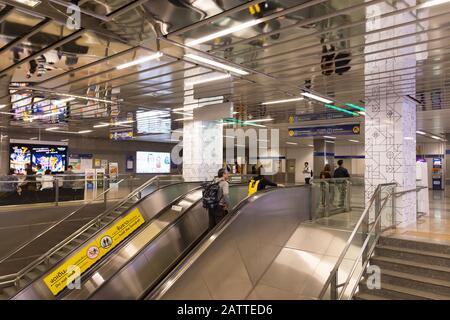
x=228 y=263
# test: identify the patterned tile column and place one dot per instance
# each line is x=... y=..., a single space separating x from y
x=202 y=140
x=390 y=122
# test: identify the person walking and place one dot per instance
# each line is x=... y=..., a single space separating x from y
x=326 y=172
x=307 y=173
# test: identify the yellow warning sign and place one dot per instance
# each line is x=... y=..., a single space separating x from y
x=83 y=259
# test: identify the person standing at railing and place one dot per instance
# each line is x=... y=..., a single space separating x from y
x=325 y=174
x=68 y=187
x=39 y=174
x=341 y=173
x=29 y=186
x=307 y=173
x=47 y=187
x=8 y=190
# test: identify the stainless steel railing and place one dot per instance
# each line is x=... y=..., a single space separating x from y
x=15 y=277
x=377 y=203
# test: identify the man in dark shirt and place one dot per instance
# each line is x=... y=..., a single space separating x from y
x=341 y=172
x=263 y=182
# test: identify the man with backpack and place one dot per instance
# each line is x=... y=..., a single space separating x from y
x=216 y=198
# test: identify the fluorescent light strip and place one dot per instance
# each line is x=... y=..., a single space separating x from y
x=183 y=119
x=293 y=143
x=327 y=141
x=84 y=131
x=224 y=76
x=2 y=106
x=436 y=138
x=255 y=125
x=353 y=141
x=432 y=3
x=101 y=125
x=316 y=97
x=216 y=64
x=258 y=120
x=52 y=128
x=224 y=32
x=30 y=3
x=282 y=101
x=329 y=137
x=310 y=145
x=139 y=61
x=355 y=107
x=362 y=113
x=34 y=138
x=183 y=113
x=421 y=132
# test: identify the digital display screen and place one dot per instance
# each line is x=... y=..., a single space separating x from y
x=152 y=162
x=19 y=156
x=49 y=157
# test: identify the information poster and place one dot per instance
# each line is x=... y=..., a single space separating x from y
x=100 y=175
x=113 y=172
x=104 y=164
x=80 y=162
x=97 y=163
x=58 y=279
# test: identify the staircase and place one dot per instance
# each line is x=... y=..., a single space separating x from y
x=410 y=270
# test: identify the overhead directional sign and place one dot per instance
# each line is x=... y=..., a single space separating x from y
x=336 y=130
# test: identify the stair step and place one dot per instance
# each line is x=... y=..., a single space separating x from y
x=440 y=259
x=394 y=292
x=41 y=267
x=31 y=276
x=367 y=296
x=424 y=269
x=405 y=243
x=416 y=281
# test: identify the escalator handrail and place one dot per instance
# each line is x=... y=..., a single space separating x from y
x=159 y=290
x=13 y=278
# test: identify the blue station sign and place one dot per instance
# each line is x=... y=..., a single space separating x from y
x=336 y=130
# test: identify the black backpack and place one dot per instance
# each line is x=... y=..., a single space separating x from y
x=211 y=195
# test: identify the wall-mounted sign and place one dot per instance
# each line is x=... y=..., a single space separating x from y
x=336 y=130
x=318 y=116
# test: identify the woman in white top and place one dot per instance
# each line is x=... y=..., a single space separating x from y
x=47 y=180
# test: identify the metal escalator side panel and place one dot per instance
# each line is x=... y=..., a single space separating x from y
x=240 y=250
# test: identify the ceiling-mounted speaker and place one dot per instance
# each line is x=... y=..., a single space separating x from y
x=213 y=112
x=222 y=87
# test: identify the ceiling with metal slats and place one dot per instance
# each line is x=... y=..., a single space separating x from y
x=131 y=56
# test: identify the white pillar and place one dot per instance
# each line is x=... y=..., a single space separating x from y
x=390 y=122
x=202 y=140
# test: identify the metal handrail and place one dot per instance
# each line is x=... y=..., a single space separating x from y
x=350 y=239
x=76 y=233
x=333 y=273
x=363 y=247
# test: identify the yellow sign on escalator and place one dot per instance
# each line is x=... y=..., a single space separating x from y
x=88 y=255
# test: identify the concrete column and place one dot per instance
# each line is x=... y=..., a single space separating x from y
x=323 y=154
x=390 y=122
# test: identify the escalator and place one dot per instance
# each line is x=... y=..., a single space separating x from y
x=170 y=230
x=152 y=198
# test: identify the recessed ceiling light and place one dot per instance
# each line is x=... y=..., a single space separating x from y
x=139 y=61
x=282 y=101
x=224 y=32
x=216 y=64
x=316 y=97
